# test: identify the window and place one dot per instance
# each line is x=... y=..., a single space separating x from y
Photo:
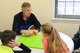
x=67 y=9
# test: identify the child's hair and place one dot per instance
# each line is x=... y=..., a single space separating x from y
x=54 y=40
x=7 y=36
x=0 y=34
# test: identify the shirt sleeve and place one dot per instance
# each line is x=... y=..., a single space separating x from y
x=35 y=22
x=25 y=48
x=15 y=26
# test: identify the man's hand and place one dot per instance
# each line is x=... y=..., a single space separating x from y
x=29 y=32
x=35 y=32
x=26 y=32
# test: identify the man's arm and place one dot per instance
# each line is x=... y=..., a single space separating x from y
x=15 y=26
x=35 y=22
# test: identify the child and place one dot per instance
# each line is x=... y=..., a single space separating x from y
x=8 y=42
x=0 y=34
x=52 y=41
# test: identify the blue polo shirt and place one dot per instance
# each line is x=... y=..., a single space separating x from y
x=20 y=24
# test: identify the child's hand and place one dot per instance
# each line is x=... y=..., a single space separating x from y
x=13 y=43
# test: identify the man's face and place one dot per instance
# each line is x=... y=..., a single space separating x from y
x=27 y=11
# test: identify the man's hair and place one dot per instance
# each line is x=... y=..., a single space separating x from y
x=7 y=36
x=26 y=4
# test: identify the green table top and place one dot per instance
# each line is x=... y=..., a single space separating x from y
x=34 y=41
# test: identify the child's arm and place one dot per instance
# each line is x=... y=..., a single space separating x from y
x=25 y=48
x=22 y=46
x=13 y=43
x=45 y=44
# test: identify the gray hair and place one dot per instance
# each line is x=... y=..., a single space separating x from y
x=25 y=4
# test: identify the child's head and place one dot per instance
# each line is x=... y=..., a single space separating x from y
x=53 y=36
x=7 y=36
x=0 y=34
x=46 y=29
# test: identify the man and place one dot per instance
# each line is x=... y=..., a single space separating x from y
x=25 y=19
x=8 y=42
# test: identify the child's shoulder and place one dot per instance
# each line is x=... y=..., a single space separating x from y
x=5 y=49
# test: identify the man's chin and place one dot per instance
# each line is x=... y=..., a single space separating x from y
x=29 y=15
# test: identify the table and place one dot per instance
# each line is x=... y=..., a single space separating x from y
x=64 y=37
